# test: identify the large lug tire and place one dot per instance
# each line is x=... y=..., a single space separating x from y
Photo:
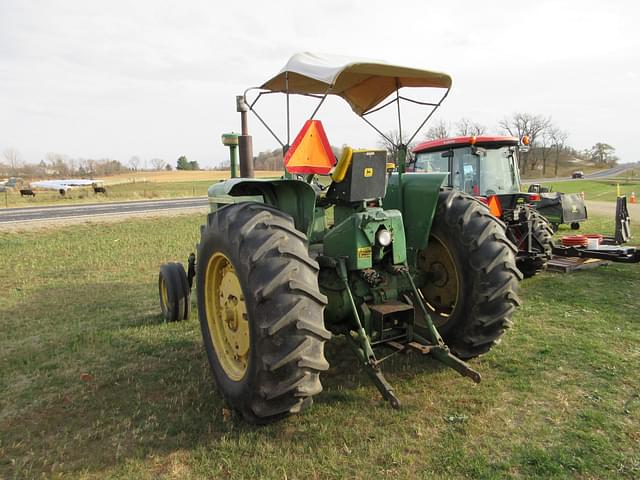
x=471 y=275
x=174 y=292
x=542 y=245
x=261 y=311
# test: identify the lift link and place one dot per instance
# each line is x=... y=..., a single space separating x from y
x=359 y=343
x=439 y=350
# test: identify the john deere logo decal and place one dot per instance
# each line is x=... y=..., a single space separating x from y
x=368 y=172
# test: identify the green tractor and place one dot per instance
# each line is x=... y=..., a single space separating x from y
x=389 y=260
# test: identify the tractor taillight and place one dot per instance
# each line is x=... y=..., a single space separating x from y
x=534 y=197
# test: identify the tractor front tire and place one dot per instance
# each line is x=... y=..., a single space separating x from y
x=174 y=291
x=471 y=275
x=261 y=311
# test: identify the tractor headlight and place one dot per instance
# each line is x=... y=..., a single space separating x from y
x=383 y=237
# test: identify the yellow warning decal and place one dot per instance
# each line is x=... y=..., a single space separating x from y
x=368 y=172
x=364 y=252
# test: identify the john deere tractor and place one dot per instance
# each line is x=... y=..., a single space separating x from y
x=391 y=261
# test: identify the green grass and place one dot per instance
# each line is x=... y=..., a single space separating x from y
x=601 y=190
x=94 y=385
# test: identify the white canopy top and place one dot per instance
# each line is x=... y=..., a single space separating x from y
x=363 y=83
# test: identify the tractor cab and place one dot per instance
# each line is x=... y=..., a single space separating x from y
x=479 y=166
x=487 y=168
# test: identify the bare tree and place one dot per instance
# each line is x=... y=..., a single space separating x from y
x=558 y=141
x=440 y=129
x=544 y=147
x=530 y=125
x=57 y=163
x=13 y=158
x=602 y=152
x=158 y=163
x=390 y=142
x=134 y=163
x=467 y=128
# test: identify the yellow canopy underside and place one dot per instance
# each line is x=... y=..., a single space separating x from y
x=362 y=84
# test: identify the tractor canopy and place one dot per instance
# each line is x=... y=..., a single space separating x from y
x=363 y=83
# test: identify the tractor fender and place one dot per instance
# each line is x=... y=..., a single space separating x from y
x=294 y=197
x=416 y=196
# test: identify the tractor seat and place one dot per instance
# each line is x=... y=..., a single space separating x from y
x=360 y=175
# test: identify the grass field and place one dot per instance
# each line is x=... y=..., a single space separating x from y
x=94 y=385
x=601 y=190
x=130 y=186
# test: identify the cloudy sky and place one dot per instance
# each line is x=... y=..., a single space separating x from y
x=115 y=79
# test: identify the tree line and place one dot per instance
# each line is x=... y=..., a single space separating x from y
x=548 y=143
x=60 y=165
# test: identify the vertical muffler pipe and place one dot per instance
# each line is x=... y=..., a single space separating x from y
x=245 y=143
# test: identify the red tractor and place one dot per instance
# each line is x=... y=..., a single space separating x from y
x=487 y=168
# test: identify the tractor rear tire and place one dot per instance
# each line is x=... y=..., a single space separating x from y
x=472 y=279
x=261 y=311
x=174 y=291
x=542 y=233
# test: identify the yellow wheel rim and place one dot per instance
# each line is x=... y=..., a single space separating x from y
x=226 y=316
x=164 y=295
x=442 y=293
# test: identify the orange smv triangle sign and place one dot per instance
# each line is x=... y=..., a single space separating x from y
x=310 y=152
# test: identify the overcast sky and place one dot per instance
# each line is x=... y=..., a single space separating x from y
x=99 y=79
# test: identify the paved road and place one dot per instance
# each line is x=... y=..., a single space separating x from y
x=596 y=175
x=44 y=214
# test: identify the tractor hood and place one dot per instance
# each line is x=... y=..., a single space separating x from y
x=363 y=83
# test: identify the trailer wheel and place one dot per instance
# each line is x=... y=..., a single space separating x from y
x=542 y=244
x=174 y=292
x=471 y=275
x=261 y=311
x=575 y=225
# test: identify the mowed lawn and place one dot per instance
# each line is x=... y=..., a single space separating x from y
x=94 y=385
